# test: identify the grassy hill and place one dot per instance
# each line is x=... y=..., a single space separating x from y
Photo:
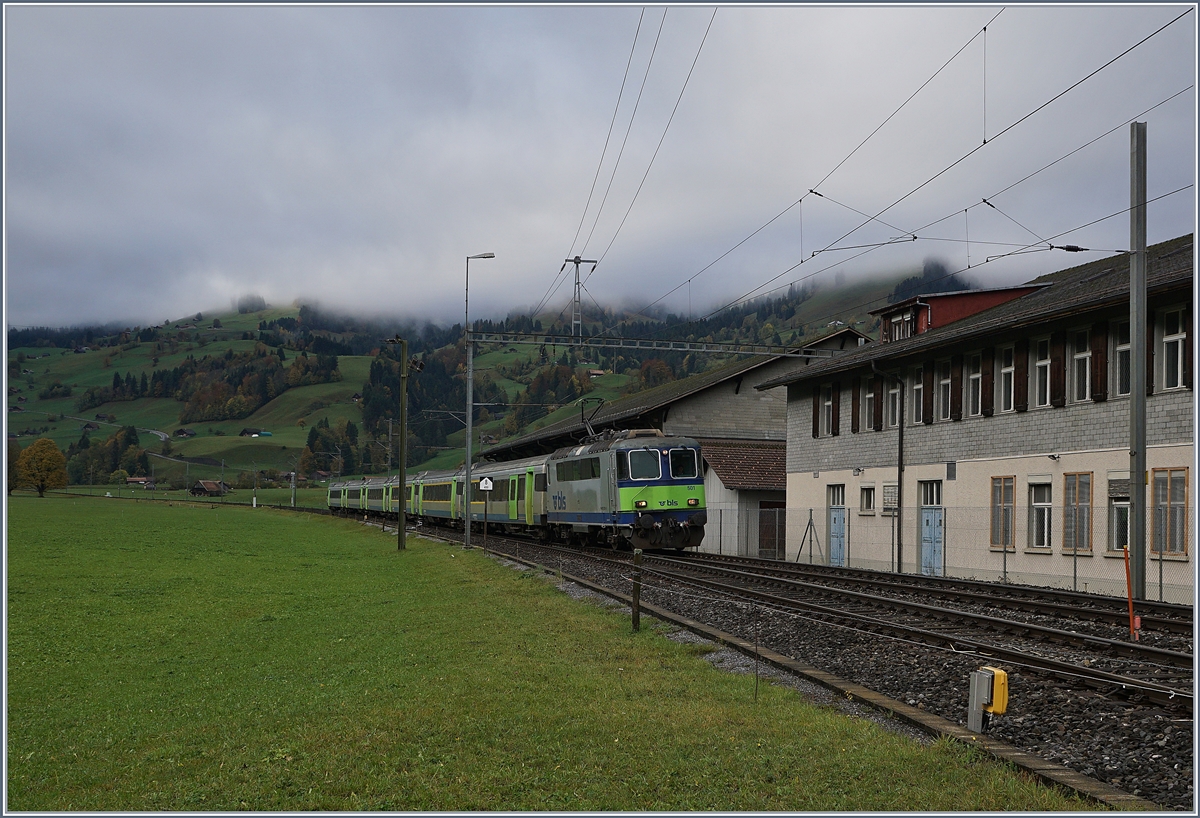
x=291 y=415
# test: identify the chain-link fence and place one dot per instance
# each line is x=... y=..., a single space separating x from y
x=1079 y=547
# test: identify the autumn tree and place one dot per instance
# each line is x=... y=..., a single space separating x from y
x=43 y=466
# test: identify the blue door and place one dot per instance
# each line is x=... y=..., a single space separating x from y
x=836 y=496
x=933 y=529
x=837 y=536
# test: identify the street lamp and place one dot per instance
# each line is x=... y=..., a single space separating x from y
x=470 y=398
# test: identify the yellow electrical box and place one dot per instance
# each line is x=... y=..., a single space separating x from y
x=999 y=692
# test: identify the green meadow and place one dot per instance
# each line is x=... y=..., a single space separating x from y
x=200 y=657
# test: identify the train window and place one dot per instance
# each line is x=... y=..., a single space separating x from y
x=683 y=463
x=539 y=482
x=645 y=464
x=588 y=469
x=437 y=493
x=622 y=466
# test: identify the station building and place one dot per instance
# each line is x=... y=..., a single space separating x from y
x=987 y=435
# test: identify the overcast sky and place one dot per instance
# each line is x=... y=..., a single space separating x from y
x=164 y=160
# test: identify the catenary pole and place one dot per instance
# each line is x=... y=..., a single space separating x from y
x=402 y=472
x=1137 y=352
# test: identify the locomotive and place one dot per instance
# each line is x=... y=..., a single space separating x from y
x=625 y=489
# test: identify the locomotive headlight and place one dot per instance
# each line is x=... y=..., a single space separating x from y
x=639 y=504
x=693 y=501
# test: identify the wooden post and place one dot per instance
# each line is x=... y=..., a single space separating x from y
x=637 y=590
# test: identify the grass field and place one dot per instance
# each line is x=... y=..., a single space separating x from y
x=196 y=658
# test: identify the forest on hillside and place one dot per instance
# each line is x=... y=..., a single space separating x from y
x=302 y=349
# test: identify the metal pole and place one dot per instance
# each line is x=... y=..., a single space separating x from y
x=467 y=462
x=1137 y=351
x=470 y=397
x=636 y=606
x=402 y=471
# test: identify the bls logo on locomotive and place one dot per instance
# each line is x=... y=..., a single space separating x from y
x=560 y=501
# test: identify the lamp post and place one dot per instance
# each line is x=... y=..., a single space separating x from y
x=470 y=399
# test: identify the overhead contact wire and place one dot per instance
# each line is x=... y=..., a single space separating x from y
x=830 y=173
x=637 y=103
x=661 y=138
x=970 y=153
x=583 y=216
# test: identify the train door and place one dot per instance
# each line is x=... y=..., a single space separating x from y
x=932 y=528
x=513 y=488
x=522 y=510
x=837 y=525
x=613 y=501
x=529 y=494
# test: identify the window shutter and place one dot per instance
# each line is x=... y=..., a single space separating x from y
x=1021 y=375
x=1099 y=374
x=1058 y=368
x=1187 y=347
x=1150 y=352
x=836 y=427
x=956 y=387
x=816 y=402
x=987 y=385
x=927 y=391
x=855 y=405
x=877 y=421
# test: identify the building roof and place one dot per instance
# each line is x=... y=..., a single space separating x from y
x=950 y=294
x=749 y=465
x=622 y=412
x=1089 y=287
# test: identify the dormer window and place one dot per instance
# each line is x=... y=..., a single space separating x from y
x=900 y=326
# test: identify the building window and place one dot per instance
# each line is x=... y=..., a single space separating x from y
x=893 y=404
x=866 y=500
x=1123 y=377
x=1174 y=338
x=1006 y=379
x=974 y=386
x=918 y=393
x=869 y=406
x=1077 y=512
x=943 y=370
x=901 y=327
x=1170 y=511
x=1002 y=511
x=1039 y=515
x=931 y=492
x=891 y=498
x=1041 y=377
x=827 y=410
x=1081 y=367
x=1118 y=524
x=837 y=495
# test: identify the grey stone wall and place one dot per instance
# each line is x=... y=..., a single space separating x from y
x=1075 y=427
x=748 y=414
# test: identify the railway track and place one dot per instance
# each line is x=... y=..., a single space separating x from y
x=1162 y=676
x=1118 y=668
x=1156 y=617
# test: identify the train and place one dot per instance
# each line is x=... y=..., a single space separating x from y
x=625 y=489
